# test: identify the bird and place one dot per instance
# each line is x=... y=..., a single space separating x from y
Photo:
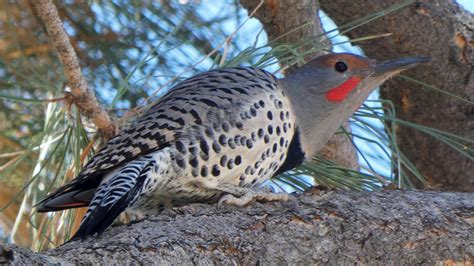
x=217 y=136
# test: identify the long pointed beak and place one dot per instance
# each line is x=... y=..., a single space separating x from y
x=397 y=65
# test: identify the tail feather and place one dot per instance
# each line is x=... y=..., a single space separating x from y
x=74 y=197
x=114 y=195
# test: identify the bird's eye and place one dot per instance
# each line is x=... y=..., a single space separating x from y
x=340 y=67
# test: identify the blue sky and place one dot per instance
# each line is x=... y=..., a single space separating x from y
x=468 y=4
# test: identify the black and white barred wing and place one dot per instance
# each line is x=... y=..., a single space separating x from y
x=117 y=192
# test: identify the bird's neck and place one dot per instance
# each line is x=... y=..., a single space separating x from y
x=317 y=118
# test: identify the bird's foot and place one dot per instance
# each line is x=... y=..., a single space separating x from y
x=240 y=196
x=250 y=196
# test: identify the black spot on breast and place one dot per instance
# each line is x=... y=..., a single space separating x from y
x=275 y=148
x=253 y=136
x=223 y=161
x=279 y=104
x=261 y=103
x=282 y=116
x=282 y=141
x=278 y=130
x=204 y=171
x=204 y=146
x=230 y=164
x=270 y=129
x=249 y=144
x=238 y=160
x=209 y=132
x=247 y=115
x=215 y=170
x=216 y=147
x=222 y=139
x=194 y=162
x=270 y=115
x=260 y=132
x=247 y=170
x=239 y=125
x=266 y=139
x=253 y=112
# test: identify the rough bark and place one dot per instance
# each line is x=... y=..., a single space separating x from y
x=292 y=21
x=82 y=96
x=444 y=31
x=392 y=227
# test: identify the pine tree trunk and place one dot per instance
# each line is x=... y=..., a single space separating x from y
x=444 y=31
x=344 y=227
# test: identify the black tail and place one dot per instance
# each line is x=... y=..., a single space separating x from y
x=78 y=193
x=114 y=196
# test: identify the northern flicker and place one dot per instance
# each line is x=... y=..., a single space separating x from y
x=220 y=134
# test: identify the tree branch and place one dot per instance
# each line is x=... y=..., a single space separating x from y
x=82 y=95
x=330 y=227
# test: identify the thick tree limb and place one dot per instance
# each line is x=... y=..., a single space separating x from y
x=445 y=32
x=82 y=95
x=392 y=227
x=290 y=22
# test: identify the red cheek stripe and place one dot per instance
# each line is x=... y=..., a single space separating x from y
x=338 y=94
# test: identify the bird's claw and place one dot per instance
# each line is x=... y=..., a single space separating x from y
x=250 y=197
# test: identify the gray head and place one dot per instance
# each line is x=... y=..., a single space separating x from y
x=327 y=90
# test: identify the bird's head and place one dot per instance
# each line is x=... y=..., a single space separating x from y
x=340 y=78
x=327 y=90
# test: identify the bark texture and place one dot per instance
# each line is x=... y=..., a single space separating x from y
x=440 y=29
x=290 y=22
x=392 y=227
x=82 y=96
